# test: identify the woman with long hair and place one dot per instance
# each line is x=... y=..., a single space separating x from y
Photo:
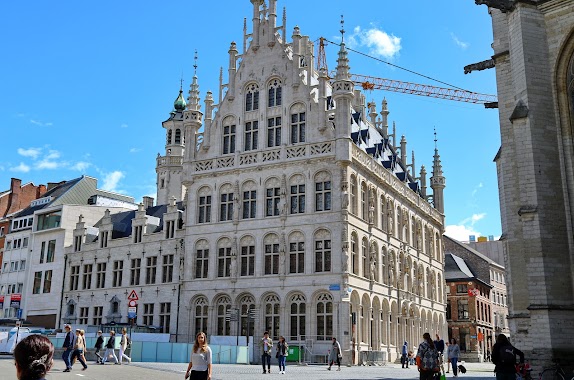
x=427 y=358
x=34 y=357
x=282 y=351
x=453 y=354
x=199 y=367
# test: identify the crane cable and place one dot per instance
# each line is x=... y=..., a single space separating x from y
x=397 y=66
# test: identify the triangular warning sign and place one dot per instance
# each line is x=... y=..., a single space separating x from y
x=133 y=295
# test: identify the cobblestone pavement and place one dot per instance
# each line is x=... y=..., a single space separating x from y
x=172 y=371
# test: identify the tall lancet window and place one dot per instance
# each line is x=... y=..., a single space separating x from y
x=274 y=93
x=169 y=135
x=177 y=136
x=252 y=97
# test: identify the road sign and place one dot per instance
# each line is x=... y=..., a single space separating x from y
x=132 y=303
x=19 y=314
x=334 y=287
x=132 y=312
x=133 y=296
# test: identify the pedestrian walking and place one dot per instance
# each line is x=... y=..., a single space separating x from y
x=79 y=348
x=98 y=347
x=428 y=361
x=199 y=367
x=405 y=355
x=282 y=352
x=504 y=358
x=82 y=334
x=446 y=359
x=335 y=354
x=266 y=345
x=34 y=357
x=111 y=348
x=453 y=354
x=69 y=342
x=124 y=341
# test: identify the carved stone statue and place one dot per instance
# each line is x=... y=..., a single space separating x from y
x=344 y=200
x=391 y=224
x=233 y=266
x=345 y=260
x=282 y=205
x=371 y=214
x=373 y=269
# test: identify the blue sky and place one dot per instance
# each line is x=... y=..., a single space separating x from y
x=85 y=86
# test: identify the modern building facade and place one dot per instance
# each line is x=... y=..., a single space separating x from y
x=534 y=60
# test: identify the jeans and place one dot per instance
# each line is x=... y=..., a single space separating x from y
x=80 y=355
x=282 y=359
x=266 y=357
x=405 y=360
x=453 y=362
x=66 y=356
x=97 y=353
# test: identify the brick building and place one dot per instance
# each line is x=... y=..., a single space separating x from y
x=476 y=299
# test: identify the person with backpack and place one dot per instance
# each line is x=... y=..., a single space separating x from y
x=504 y=358
x=453 y=354
x=428 y=361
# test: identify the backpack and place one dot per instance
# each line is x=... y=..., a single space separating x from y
x=429 y=360
x=507 y=355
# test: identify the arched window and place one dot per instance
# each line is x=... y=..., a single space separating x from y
x=249 y=200
x=364 y=201
x=201 y=259
x=272 y=319
x=354 y=200
x=204 y=205
x=223 y=257
x=296 y=253
x=223 y=323
x=385 y=262
x=226 y=199
x=324 y=322
x=274 y=91
x=322 y=191
x=297 y=306
x=169 y=135
x=247 y=256
x=200 y=313
x=271 y=242
x=298 y=124
x=246 y=315
x=365 y=257
x=252 y=97
x=178 y=136
x=354 y=255
x=322 y=251
x=383 y=212
x=228 y=143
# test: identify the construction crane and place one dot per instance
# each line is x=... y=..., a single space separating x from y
x=374 y=83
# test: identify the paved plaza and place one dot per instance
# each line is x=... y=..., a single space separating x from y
x=169 y=371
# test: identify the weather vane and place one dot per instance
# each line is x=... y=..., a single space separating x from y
x=342 y=29
x=195 y=63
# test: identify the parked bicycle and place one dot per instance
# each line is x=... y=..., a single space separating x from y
x=554 y=372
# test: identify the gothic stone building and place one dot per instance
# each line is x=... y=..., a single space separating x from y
x=302 y=216
x=534 y=61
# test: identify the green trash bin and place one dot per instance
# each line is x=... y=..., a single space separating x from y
x=293 y=354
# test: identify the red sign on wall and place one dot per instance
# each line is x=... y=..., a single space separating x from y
x=1 y=302
x=15 y=300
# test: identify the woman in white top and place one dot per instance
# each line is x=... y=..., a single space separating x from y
x=124 y=340
x=199 y=367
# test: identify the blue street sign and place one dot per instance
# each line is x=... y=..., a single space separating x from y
x=334 y=287
x=19 y=314
x=131 y=315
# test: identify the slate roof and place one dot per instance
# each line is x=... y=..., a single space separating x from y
x=456 y=269
x=55 y=193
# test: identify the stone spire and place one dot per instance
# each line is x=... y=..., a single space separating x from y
x=343 y=93
x=438 y=181
x=193 y=100
x=385 y=118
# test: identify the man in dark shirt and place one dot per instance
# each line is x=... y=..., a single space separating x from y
x=439 y=344
x=504 y=358
x=69 y=343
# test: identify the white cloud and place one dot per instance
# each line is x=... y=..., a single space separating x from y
x=41 y=123
x=135 y=150
x=23 y=168
x=111 y=180
x=461 y=44
x=460 y=232
x=475 y=190
x=52 y=154
x=30 y=152
x=379 y=42
x=47 y=164
x=80 y=166
x=124 y=125
x=473 y=219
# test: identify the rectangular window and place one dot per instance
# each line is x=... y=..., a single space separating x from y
x=461 y=288
x=251 y=135
x=84 y=311
x=151 y=270
x=249 y=204
x=42 y=252
x=37 y=283
x=50 y=220
x=135 y=271
x=272 y=199
x=297 y=257
x=25 y=243
x=229 y=139
x=272 y=258
x=226 y=207
x=297 y=199
x=47 y=281
x=322 y=255
x=104 y=239
x=323 y=196
x=462 y=306
x=170 y=229
x=74 y=277
x=138 y=234
x=298 y=128
x=201 y=261
x=22 y=265
x=77 y=243
x=224 y=262
x=274 y=132
x=167 y=269
x=118 y=273
x=164 y=316
x=204 y=212
x=101 y=275
x=98 y=313
x=148 y=314
x=87 y=280
x=248 y=260
x=274 y=98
